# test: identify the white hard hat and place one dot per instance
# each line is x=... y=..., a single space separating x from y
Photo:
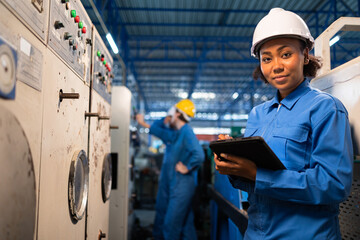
x=280 y=23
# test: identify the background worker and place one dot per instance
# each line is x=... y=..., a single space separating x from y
x=307 y=129
x=162 y=197
x=185 y=157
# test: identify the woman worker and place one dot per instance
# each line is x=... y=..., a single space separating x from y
x=309 y=132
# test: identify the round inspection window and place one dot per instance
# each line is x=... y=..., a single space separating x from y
x=78 y=184
x=106 y=177
x=17 y=180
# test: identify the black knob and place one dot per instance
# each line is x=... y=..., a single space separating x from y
x=71 y=42
x=58 y=25
x=88 y=41
x=67 y=35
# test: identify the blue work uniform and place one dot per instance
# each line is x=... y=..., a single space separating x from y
x=162 y=197
x=309 y=131
x=178 y=221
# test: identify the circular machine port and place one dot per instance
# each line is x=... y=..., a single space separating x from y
x=78 y=184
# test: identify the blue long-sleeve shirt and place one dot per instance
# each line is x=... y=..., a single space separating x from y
x=310 y=133
x=184 y=145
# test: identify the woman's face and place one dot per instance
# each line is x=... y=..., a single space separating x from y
x=282 y=63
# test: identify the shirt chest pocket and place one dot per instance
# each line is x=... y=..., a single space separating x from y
x=292 y=142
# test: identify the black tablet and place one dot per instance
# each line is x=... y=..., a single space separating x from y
x=252 y=148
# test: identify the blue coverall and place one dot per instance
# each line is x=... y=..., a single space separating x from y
x=178 y=221
x=310 y=133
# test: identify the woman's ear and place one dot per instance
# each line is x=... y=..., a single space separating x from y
x=306 y=56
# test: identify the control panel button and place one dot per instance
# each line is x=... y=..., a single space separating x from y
x=58 y=25
x=81 y=25
x=73 y=13
x=83 y=30
x=77 y=19
x=67 y=35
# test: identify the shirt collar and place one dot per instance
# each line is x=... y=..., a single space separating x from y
x=292 y=98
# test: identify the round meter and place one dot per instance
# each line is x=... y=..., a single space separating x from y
x=78 y=184
x=106 y=177
x=17 y=180
x=7 y=69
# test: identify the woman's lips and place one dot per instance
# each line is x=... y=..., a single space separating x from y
x=280 y=78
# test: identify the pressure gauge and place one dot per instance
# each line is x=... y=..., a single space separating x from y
x=7 y=71
x=78 y=184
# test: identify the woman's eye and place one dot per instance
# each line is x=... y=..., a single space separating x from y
x=286 y=55
x=266 y=59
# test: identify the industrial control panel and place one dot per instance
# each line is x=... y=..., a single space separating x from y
x=33 y=13
x=70 y=35
x=102 y=75
x=21 y=104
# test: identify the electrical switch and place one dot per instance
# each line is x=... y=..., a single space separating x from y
x=71 y=42
x=98 y=53
x=67 y=35
x=58 y=25
x=81 y=25
x=83 y=30
x=104 y=62
x=67 y=6
x=75 y=47
x=88 y=41
x=77 y=19
x=73 y=13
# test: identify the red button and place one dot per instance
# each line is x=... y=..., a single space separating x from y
x=83 y=30
x=102 y=59
x=77 y=19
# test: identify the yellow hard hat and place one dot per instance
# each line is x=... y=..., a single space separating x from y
x=186 y=106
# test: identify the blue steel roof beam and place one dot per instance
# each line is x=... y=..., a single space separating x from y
x=187 y=38
x=206 y=10
x=99 y=13
x=139 y=90
x=180 y=49
x=195 y=60
x=199 y=68
x=163 y=24
x=332 y=6
x=235 y=101
x=238 y=51
x=354 y=13
x=162 y=42
x=351 y=53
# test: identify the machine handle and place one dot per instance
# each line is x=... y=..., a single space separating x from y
x=68 y=95
x=101 y=235
x=104 y=118
x=89 y=114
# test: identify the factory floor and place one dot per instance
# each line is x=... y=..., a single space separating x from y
x=144 y=220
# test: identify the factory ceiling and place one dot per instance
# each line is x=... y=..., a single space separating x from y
x=200 y=49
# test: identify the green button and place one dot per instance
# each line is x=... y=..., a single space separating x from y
x=73 y=13
x=98 y=53
x=81 y=24
x=104 y=62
